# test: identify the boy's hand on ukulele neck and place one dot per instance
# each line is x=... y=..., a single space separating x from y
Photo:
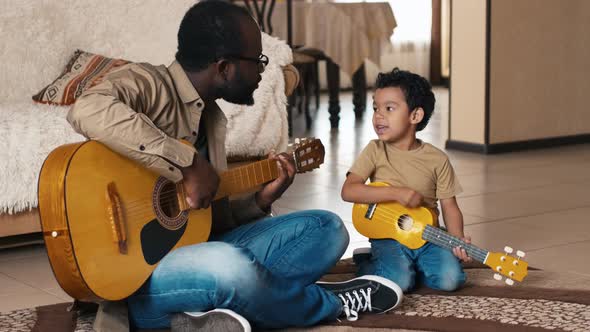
x=460 y=252
x=409 y=197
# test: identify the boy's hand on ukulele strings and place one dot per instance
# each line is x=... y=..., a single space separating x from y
x=410 y=198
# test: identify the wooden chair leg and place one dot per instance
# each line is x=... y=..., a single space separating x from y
x=292 y=99
x=333 y=74
x=316 y=77
x=308 y=87
x=359 y=88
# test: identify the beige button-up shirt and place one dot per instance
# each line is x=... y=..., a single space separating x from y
x=142 y=111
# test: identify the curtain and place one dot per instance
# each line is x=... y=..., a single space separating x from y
x=411 y=41
x=411 y=38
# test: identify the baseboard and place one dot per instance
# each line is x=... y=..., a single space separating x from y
x=517 y=146
x=465 y=146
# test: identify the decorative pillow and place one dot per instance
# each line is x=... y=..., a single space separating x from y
x=83 y=71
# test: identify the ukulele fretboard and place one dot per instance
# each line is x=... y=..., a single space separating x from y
x=445 y=240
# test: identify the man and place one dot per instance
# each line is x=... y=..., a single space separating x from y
x=255 y=268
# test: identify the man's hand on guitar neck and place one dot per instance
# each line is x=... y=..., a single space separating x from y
x=275 y=189
x=200 y=183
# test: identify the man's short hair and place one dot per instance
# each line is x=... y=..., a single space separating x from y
x=209 y=30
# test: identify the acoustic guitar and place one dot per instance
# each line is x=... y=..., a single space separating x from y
x=107 y=221
x=413 y=227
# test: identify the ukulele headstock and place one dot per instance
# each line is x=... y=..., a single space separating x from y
x=308 y=154
x=513 y=268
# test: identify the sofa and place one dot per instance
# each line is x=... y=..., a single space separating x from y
x=39 y=38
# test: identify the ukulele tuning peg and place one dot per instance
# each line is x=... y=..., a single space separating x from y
x=520 y=254
x=508 y=250
x=497 y=276
x=509 y=282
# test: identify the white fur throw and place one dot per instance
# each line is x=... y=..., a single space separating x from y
x=29 y=131
x=256 y=130
x=39 y=36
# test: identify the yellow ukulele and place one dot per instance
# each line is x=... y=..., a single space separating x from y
x=413 y=227
x=107 y=221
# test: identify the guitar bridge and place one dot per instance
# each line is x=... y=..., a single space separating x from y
x=370 y=211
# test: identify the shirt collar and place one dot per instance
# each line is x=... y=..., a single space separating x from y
x=185 y=88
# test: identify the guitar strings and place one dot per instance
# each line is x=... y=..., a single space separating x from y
x=230 y=178
x=233 y=178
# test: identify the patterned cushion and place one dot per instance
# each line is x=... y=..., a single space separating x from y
x=83 y=71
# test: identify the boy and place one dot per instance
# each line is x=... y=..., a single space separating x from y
x=419 y=175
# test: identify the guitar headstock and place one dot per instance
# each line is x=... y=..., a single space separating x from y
x=308 y=154
x=514 y=268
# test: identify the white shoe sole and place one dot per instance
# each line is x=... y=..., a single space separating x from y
x=238 y=317
x=361 y=251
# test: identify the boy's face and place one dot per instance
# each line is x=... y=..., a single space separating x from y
x=392 y=118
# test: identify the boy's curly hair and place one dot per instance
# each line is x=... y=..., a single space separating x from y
x=416 y=89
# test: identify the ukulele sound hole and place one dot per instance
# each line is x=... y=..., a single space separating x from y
x=405 y=222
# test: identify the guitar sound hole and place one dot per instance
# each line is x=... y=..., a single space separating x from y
x=405 y=222
x=169 y=201
x=165 y=204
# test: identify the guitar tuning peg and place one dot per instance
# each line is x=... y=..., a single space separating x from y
x=508 y=250
x=520 y=254
x=497 y=276
x=509 y=282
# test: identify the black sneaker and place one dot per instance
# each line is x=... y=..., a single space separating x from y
x=217 y=320
x=365 y=294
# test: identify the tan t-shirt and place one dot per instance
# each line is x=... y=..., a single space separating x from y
x=425 y=169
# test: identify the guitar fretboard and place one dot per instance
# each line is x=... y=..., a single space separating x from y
x=443 y=239
x=244 y=178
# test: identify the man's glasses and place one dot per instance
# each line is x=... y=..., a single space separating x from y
x=262 y=60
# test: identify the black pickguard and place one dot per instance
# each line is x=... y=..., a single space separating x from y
x=157 y=241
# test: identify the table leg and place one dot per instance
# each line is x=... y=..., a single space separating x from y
x=333 y=74
x=290 y=105
x=359 y=90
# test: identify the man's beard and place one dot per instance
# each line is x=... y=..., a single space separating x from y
x=238 y=93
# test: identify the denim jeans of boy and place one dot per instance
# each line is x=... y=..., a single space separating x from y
x=265 y=271
x=432 y=265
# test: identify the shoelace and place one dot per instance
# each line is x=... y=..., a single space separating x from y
x=355 y=303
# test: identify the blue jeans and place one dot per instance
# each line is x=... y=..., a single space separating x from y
x=434 y=266
x=265 y=271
